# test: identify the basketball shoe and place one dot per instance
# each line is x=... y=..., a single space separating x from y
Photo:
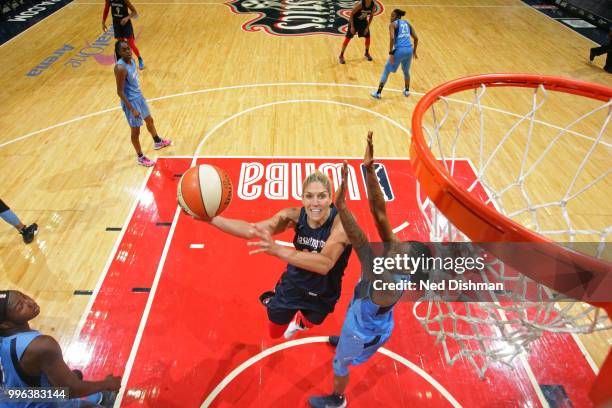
x=163 y=143
x=145 y=161
x=28 y=233
x=295 y=326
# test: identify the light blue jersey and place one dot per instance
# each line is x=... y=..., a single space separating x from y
x=11 y=376
x=367 y=327
x=402 y=35
x=131 y=88
x=402 y=51
x=366 y=318
x=132 y=91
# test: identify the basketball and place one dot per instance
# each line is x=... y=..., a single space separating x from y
x=204 y=191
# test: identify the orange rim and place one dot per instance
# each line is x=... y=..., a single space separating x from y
x=478 y=221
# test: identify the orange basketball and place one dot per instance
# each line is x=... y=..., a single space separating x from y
x=204 y=191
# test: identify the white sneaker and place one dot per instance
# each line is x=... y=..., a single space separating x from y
x=293 y=328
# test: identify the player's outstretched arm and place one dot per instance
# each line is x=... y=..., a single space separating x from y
x=320 y=263
x=282 y=220
x=376 y=200
x=46 y=351
x=354 y=232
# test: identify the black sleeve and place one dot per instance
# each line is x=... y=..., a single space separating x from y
x=3 y=206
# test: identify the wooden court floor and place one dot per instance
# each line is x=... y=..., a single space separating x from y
x=64 y=147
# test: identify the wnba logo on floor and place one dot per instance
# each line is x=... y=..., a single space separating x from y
x=282 y=181
x=297 y=17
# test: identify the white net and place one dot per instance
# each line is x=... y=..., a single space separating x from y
x=548 y=169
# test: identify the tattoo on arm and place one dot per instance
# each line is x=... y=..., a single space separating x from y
x=352 y=229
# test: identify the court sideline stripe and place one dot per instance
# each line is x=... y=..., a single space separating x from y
x=109 y=261
x=559 y=22
x=145 y=315
x=35 y=24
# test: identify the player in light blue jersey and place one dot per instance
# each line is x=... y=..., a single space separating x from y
x=133 y=102
x=29 y=359
x=369 y=320
x=400 y=50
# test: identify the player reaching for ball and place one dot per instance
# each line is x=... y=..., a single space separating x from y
x=310 y=287
x=133 y=102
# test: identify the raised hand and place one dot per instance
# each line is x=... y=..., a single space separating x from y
x=368 y=157
x=340 y=200
x=266 y=243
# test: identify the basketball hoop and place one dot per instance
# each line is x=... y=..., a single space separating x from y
x=523 y=191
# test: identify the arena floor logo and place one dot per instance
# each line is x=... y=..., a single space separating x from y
x=297 y=17
x=102 y=50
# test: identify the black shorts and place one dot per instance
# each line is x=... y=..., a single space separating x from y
x=289 y=299
x=123 y=31
x=360 y=28
x=3 y=207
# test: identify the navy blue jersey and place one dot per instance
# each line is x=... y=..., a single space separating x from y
x=119 y=10
x=325 y=287
x=365 y=12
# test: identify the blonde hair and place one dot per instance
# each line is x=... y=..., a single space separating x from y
x=317 y=176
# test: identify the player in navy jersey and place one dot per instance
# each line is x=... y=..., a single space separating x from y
x=310 y=287
x=369 y=318
x=133 y=102
x=30 y=359
x=359 y=23
x=400 y=51
x=122 y=23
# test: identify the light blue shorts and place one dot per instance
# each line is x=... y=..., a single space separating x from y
x=140 y=104
x=353 y=349
x=403 y=57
